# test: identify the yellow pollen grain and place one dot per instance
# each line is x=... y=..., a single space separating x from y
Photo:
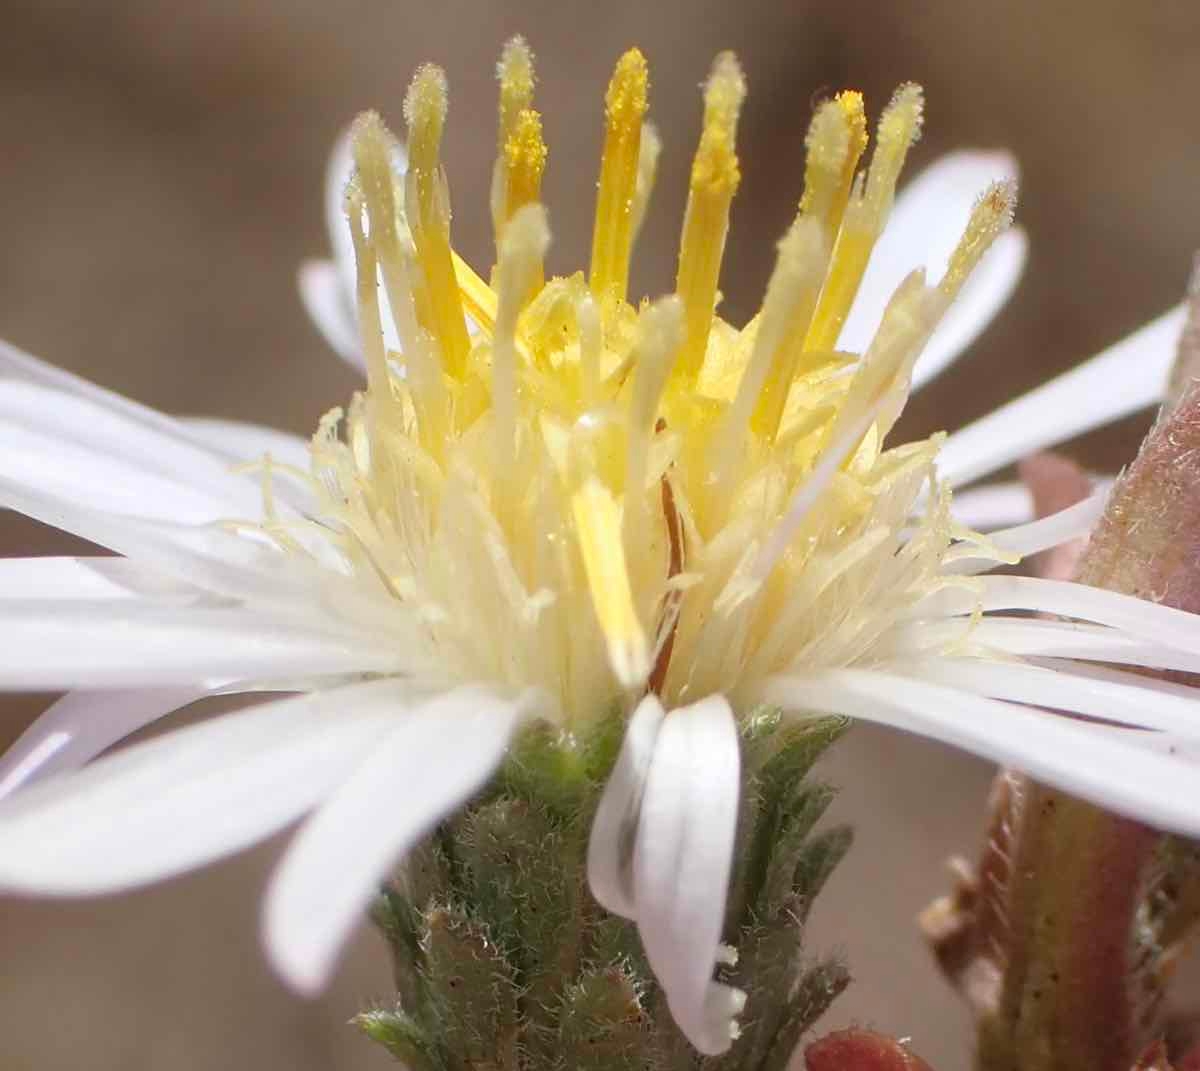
x=865 y=215
x=625 y=107
x=837 y=137
x=990 y=217
x=429 y=216
x=714 y=181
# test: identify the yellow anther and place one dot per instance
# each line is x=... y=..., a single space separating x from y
x=714 y=181
x=612 y=239
x=520 y=150
x=865 y=214
x=990 y=217
x=525 y=162
x=835 y=142
x=899 y=129
x=429 y=216
x=597 y=517
x=515 y=74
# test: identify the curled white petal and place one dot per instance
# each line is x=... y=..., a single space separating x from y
x=327 y=303
x=614 y=829
x=432 y=760
x=982 y=297
x=682 y=861
x=338 y=172
x=930 y=215
x=182 y=800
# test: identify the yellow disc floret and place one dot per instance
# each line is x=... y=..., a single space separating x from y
x=597 y=498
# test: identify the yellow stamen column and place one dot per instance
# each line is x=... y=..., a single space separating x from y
x=428 y=207
x=715 y=178
x=612 y=239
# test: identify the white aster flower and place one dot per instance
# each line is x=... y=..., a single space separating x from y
x=550 y=504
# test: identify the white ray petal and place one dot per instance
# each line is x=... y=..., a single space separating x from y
x=153 y=544
x=1035 y=536
x=994 y=505
x=326 y=302
x=1111 y=769
x=66 y=644
x=1064 y=598
x=1126 y=377
x=17 y=366
x=80 y=726
x=245 y=565
x=682 y=860
x=58 y=424
x=59 y=578
x=1114 y=698
x=242 y=442
x=434 y=759
x=143 y=436
x=93 y=479
x=614 y=829
x=927 y=221
x=1033 y=638
x=182 y=800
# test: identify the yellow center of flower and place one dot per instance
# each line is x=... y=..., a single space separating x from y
x=599 y=498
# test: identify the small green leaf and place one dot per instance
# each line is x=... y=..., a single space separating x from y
x=402 y=1037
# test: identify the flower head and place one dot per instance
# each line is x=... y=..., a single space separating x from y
x=552 y=502
x=597 y=498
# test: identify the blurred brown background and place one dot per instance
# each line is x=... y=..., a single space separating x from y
x=161 y=179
